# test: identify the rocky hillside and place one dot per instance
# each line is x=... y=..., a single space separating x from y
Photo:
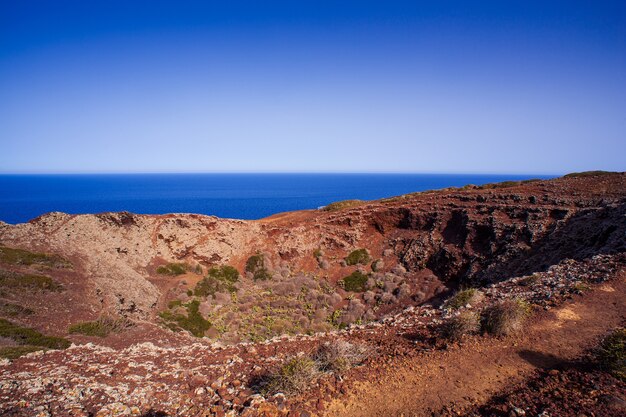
x=377 y=271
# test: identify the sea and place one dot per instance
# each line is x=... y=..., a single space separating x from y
x=239 y=196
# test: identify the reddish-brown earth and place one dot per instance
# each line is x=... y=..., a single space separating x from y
x=566 y=234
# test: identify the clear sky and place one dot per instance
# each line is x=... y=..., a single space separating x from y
x=417 y=86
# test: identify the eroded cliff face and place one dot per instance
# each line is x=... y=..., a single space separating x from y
x=426 y=242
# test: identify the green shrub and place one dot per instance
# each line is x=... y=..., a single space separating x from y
x=612 y=353
x=14 y=352
x=193 y=322
x=14 y=310
x=358 y=256
x=9 y=279
x=218 y=280
x=587 y=174
x=506 y=317
x=101 y=327
x=340 y=205
x=27 y=336
x=355 y=281
x=457 y=327
x=464 y=297
x=172 y=269
x=256 y=266
x=293 y=377
x=23 y=257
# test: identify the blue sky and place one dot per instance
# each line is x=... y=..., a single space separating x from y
x=191 y=86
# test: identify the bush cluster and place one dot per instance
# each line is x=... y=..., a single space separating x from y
x=192 y=321
x=14 y=280
x=340 y=205
x=23 y=257
x=355 y=282
x=256 y=265
x=298 y=372
x=173 y=269
x=222 y=279
x=29 y=340
x=101 y=327
x=358 y=256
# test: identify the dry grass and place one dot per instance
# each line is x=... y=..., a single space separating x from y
x=505 y=318
x=612 y=353
x=101 y=327
x=293 y=377
x=466 y=323
x=340 y=355
x=464 y=297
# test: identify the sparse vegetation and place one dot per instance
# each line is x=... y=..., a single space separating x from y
x=612 y=353
x=14 y=310
x=293 y=377
x=506 y=317
x=172 y=269
x=101 y=327
x=15 y=256
x=217 y=280
x=358 y=256
x=14 y=280
x=28 y=336
x=529 y=281
x=14 y=352
x=256 y=266
x=340 y=355
x=355 y=282
x=587 y=174
x=340 y=205
x=193 y=322
x=464 y=297
x=461 y=325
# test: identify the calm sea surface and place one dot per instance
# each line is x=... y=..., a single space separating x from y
x=241 y=196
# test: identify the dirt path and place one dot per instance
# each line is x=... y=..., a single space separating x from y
x=471 y=374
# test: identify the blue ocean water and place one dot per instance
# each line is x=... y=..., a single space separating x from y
x=240 y=196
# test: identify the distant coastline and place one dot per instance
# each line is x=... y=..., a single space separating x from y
x=241 y=196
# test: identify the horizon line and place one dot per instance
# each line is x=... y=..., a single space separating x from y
x=560 y=173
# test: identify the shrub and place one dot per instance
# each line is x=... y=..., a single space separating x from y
x=293 y=377
x=529 y=281
x=101 y=327
x=14 y=352
x=10 y=279
x=464 y=297
x=340 y=205
x=356 y=282
x=587 y=174
x=377 y=265
x=340 y=355
x=27 y=336
x=23 y=257
x=193 y=322
x=172 y=269
x=506 y=317
x=256 y=266
x=220 y=279
x=13 y=310
x=358 y=256
x=467 y=322
x=612 y=353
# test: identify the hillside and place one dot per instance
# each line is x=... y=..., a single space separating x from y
x=186 y=314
